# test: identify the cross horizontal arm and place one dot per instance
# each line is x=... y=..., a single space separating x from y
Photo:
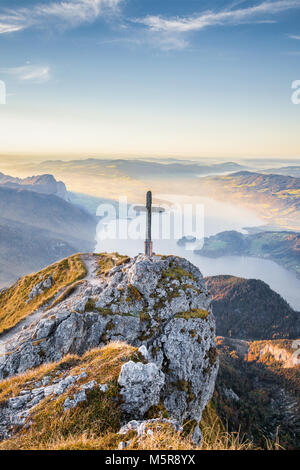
x=158 y=209
x=153 y=209
x=140 y=209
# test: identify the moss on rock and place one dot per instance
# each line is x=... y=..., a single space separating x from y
x=195 y=313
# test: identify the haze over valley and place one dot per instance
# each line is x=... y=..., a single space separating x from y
x=86 y=184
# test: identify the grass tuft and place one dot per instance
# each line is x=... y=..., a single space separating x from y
x=107 y=261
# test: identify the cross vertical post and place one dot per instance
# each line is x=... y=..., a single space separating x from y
x=148 y=242
x=149 y=209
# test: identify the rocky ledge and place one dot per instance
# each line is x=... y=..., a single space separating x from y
x=159 y=305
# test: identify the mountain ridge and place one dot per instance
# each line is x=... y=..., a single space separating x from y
x=37 y=229
x=45 y=184
x=248 y=309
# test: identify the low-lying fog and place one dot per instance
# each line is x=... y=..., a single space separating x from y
x=218 y=217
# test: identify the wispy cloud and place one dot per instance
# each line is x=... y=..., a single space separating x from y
x=294 y=36
x=163 y=42
x=68 y=12
x=167 y=42
x=213 y=18
x=172 y=30
x=30 y=73
x=12 y=20
x=9 y=28
x=76 y=11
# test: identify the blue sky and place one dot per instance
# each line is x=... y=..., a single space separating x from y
x=148 y=77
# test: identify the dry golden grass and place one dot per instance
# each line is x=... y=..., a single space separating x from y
x=94 y=424
x=14 y=304
x=11 y=387
x=66 y=293
x=107 y=261
x=85 y=441
x=163 y=438
x=215 y=436
x=167 y=439
x=98 y=415
x=100 y=364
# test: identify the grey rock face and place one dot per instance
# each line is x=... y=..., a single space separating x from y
x=144 y=352
x=40 y=287
x=159 y=304
x=140 y=427
x=16 y=410
x=141 y=386
x=197 y=435
x=230 y=394
x=78 y=397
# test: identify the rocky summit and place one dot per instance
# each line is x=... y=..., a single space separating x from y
x=160 y=306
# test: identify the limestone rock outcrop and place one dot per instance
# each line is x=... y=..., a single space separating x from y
x=141 y=386
x=158 y=304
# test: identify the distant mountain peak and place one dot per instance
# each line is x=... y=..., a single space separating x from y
x=45 y=184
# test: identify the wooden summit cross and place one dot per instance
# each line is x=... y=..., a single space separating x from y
x=149 y=209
